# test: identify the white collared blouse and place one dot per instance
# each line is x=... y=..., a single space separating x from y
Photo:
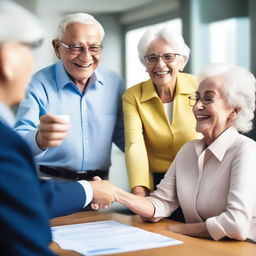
x=216 y=184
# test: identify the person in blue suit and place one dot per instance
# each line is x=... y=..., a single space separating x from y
x=26 y=203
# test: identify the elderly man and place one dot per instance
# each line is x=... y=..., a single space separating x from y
x=87 y=94
x=24 y=202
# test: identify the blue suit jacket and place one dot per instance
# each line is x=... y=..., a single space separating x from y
x=26 y=203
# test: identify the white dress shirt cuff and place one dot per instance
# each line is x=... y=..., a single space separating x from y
x=87 y=190
x=215 y=230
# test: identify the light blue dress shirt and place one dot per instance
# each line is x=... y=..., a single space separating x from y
x=95 y=117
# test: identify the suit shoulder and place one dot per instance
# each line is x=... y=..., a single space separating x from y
x=135 y=90
x=10 y=140
x=190 y=78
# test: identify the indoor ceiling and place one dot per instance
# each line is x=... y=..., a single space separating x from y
x=95 y=6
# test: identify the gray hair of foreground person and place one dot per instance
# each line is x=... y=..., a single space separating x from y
x=82 y=18
x=17 y=24
x=174 y=38
x=239 y=89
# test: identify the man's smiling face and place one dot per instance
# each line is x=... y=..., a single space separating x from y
x=81 y=65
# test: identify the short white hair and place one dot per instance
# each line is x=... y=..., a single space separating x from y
x=18 y=24
x=239 y=88
x=172 y=37
x=82 y=18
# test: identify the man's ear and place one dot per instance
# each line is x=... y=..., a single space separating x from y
x=6 y=71
x=56 y=47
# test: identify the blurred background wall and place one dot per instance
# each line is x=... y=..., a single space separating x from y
x=215 y=30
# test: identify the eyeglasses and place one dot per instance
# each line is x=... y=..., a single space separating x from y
x=93 y=49
x=206 y=99
x=167 y=58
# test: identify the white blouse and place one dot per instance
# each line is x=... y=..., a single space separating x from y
x=216 y=184
x=168 y=110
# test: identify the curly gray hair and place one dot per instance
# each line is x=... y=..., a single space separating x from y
x=239 y=89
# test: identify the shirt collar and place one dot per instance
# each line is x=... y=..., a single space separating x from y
x=219 y=146
x=6 y=115
x=182 y=87
x=148 y=91
x=62 y=77
x=96 y=79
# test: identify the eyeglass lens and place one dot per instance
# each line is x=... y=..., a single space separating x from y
x=93 y=49
x=167 y=58
x=205 y=99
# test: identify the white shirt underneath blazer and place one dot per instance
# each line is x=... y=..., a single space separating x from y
x=216 y=184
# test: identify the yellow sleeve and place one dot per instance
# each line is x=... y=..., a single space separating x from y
x=135 y=149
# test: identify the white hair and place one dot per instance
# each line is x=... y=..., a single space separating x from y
x=172 y=37
x=18 y=24
x=239 y=88
x=82 y=18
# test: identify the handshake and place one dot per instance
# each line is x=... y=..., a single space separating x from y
x=104 y=193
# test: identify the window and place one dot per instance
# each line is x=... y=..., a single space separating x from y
x=229 y=41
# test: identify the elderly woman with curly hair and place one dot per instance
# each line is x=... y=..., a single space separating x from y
x=158 y=119
x=213 y=179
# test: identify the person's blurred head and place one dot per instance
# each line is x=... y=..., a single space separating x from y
x=170 y=45
x=19 y=31
x=228 y=95
x=78 y=44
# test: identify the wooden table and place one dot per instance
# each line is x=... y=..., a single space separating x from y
x=191 y=247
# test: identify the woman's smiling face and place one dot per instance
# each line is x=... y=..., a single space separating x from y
x=162 y=73
x=216 y=116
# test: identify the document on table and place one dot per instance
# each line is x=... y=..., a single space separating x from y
x=107 y=237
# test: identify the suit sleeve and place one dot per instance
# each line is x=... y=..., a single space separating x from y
x=24 y=222
x=135 y=149
x=63 y=197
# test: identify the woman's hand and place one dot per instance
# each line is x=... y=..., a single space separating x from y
x=191 y=229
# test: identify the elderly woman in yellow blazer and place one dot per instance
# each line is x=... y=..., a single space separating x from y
x=158 y=119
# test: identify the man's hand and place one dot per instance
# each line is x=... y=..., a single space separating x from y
x=52 y=131
x=103 y=193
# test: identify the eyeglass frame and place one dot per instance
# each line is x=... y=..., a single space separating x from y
x=201 y=99
x=81 y=49
x=161 y=56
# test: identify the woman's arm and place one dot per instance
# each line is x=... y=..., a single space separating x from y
x=138 y=204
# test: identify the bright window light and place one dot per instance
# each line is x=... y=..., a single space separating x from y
x=229 y=41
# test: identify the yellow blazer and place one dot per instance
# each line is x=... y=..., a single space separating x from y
x=151 y=142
